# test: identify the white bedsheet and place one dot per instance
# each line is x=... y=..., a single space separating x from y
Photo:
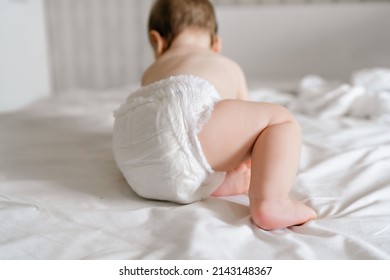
x=62 y=196
x=367 y=95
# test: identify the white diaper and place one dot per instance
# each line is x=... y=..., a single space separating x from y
x=155 y=140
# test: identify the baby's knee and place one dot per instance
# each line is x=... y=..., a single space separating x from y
x=282 y=115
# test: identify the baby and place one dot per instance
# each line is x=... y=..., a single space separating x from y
x=189 y=131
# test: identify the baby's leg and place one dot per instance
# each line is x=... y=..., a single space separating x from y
x=236 y=181
x=276 y=156
x=270 y=136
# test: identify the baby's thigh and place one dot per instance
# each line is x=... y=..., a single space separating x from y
x=233 y=128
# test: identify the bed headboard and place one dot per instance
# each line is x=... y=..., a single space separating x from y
x=102 y=44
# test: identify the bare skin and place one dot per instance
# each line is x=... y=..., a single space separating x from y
x=262 y=154
x=236 y=181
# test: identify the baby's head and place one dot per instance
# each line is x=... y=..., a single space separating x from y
x=168 y=18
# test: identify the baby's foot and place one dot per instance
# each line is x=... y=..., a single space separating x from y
x=236 y=181
x=280 y=213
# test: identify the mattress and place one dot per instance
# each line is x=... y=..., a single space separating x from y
x=63 y=197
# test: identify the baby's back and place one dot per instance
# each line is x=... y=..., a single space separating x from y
x=223 y=73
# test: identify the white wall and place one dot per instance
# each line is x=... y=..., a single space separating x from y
x=24 y=75
x=286 y=42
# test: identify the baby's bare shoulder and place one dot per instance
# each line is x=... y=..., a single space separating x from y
x=230 y=78
x=224 y=62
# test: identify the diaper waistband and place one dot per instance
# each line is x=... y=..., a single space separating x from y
x=170 y=85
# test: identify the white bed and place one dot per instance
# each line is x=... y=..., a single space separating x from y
x=62 y=196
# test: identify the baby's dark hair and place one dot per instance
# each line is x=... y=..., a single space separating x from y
x=170 y=17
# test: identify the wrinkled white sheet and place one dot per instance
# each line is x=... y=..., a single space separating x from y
x=366 y=96
x=62 y=196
